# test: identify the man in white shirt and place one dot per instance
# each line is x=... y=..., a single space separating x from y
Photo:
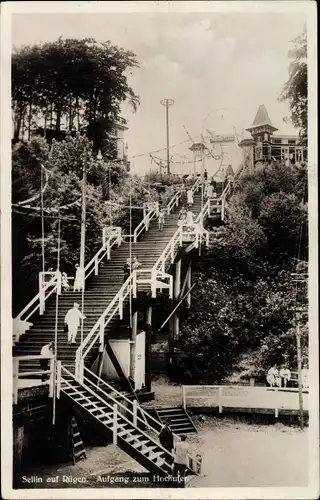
x=46 y=352
x=181 y=450
x=72 y=319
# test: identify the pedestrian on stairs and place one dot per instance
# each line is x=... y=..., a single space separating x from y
x=47 y=353
x=135 y=264
x=190 y=197
x=72 y=319
x=166 y=439
x=181 y=451
x=78 y=279
x=126 y=269
x=161 y=219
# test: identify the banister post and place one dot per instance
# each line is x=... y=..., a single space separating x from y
x=184 y=397
x=101 y=331
x=135 y=412
x=134 y=284
x=52 y=376
x=59 y=282
x=115 y=424
x=153 y=284
x=96 y=266
x=41 y=294
x=121 y=305
x=58 y=378
x=108 y=249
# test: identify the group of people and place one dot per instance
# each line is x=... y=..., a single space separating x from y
x=186 y=217
x=281 y=378
x=179 y=449
x=130 y=266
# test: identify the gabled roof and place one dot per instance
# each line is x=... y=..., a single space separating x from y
x=262 y=118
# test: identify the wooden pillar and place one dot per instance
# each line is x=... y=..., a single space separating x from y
x=175 y=317
x=134 y=329
x=189 y=284
x=18 y=438
x=148 y=348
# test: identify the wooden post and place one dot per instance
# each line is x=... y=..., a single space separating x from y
x=135 y=412
x=176 y=292
x=100 y=365
x=184 y=397
x=115 y=424
x=189 y=284
x=299 y=371
x=18 y=438
x=148 y=349
x=58 y=378
x=134 y=329
x=52 y=377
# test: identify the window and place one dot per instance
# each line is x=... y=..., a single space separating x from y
x=266 y=137
x=284 y=153
x=291 y=142
x=258 y=153
x=277 y=141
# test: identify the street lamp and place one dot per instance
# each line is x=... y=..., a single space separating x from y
x=167 y=103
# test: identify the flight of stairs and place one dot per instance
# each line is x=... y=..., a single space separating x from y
x=181 y=423
x=130 y=438
x=99 y=292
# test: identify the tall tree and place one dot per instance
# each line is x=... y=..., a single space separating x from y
x=79 y=82
x=295 y=90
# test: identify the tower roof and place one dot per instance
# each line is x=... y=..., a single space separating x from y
x=262 y=118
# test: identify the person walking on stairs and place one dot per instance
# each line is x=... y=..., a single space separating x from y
x=46 y=352
x=72 y=320
x=78 y=279
x=181 y=451
x=190 y=197
x=161 y=219
x=166 y=438
x=126 y=270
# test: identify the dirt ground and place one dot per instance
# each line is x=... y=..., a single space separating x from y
x=235 y=454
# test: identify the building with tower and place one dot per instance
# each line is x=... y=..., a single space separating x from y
x=264 y=145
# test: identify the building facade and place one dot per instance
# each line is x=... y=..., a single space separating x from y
x=264 y=145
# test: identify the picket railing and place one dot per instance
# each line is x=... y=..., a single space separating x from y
x=28 y=375
x=111 y=236
x=235 y=396
x=46 y=289
x=96 y=335
x=145 y=223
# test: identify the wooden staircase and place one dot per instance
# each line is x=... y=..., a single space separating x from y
x=99 y=292
x=114 y=424
x=181 y=423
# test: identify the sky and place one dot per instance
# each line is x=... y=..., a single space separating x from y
x=217 y=67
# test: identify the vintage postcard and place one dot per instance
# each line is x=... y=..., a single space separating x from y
x=159 y=250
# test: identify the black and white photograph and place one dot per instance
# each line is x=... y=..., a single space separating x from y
x=159 y=250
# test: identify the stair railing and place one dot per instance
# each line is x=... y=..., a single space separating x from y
x=111 y=236
x=46 y=289
x=107 y=400
x=18 y=374
x=169 y=252
x=144 y=224
x=97 y=332
x=133 y=405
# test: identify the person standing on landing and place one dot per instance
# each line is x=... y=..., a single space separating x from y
x=46 y=352
x=72 y=319
x=166 y=437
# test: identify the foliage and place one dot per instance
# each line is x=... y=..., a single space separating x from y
x=245 y=296
x=295 y=89
x=81 y=82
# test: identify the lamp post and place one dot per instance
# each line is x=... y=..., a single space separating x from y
x=100 y=158
x=167 y=103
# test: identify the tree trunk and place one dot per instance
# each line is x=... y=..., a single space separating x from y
x=29 y=119
x=58 y=119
